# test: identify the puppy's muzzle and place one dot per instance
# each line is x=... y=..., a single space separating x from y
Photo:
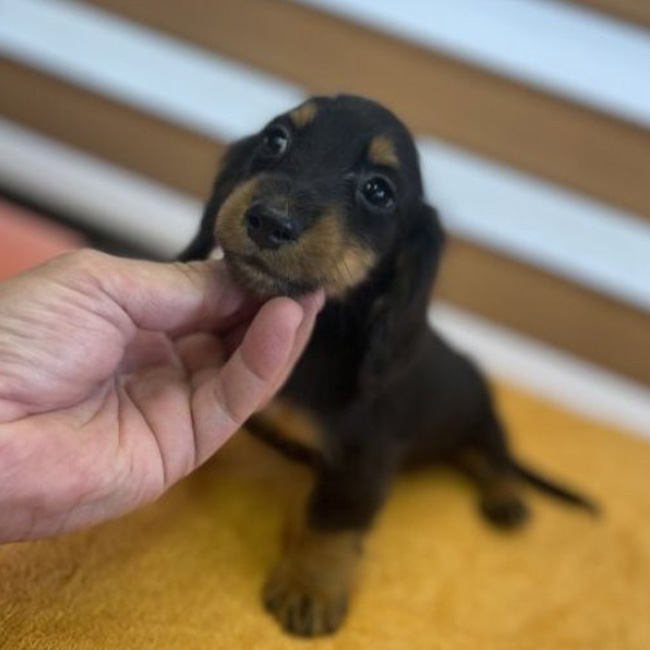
x=270 y=228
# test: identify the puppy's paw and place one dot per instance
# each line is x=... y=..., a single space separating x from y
x=305 y=602
x=505 y=511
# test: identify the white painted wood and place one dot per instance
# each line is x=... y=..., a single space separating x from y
x=142 y=67
x=542 y=224
x=577 y=385
x=96 y=193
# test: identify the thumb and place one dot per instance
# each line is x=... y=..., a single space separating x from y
x=222 y=403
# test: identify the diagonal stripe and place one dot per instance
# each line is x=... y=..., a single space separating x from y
x=559 y=47
x=550 y=227
x=578 y=385
x=539 y=223
x=96 y=193
x=154 y=72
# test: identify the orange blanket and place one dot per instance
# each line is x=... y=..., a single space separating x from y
x=185 y=573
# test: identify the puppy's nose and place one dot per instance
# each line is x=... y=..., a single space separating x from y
x=268 y=227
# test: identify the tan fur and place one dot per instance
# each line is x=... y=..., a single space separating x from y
x=230 y=231
x=353 y=267
x=309 y=589
x=304 y=115
x=326 y=254
x=292 y=423
x=382 y=151
x=322 y=256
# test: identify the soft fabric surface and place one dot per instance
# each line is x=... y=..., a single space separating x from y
x=185 y=573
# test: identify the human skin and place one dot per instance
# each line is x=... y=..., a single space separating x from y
x=120 y=377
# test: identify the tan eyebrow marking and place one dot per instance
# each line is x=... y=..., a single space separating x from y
x=303 y=115
x=382 y=151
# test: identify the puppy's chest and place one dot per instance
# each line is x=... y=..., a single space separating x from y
x=324 y=381
x=313 y=409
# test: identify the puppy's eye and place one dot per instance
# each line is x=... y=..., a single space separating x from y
x=275 y=142
x=378 y=192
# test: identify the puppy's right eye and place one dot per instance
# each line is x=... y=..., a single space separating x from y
x=275 y=142
x=378 y=192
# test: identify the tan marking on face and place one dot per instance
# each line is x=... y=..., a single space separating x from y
x=293 y=424
x=322 y=256
x=352 y=268
x=303 y=115
x=382 y=151
x=230 y=230
x=340 y=262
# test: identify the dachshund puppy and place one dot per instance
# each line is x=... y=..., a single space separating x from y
x=330 y=196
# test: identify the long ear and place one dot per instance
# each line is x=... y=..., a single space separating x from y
x=399 y=318
x=232 y=170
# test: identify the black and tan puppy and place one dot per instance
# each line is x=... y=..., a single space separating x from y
x=330 y=195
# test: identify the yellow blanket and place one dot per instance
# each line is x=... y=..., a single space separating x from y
x=185 y=573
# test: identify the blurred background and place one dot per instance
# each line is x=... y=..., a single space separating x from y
x=532 y=116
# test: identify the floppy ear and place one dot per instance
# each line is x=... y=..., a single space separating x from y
x=232 y=170
x=399 y=318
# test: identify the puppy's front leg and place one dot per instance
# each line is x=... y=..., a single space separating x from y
x=309 y=590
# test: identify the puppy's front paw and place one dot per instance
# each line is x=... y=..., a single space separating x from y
x=304 y=603
x=309 y=590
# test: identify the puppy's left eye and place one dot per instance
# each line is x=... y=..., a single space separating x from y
x=378 y=192
x=275 y=142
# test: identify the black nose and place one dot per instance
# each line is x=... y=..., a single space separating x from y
x=268 y=227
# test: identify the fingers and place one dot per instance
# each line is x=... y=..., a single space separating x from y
x=172 y=297
x=255 y=370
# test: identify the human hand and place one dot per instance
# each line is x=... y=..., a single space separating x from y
x=119 y=377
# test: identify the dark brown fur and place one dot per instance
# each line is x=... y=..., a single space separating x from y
x=377 y=389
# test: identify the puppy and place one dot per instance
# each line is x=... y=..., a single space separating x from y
x=330 y=196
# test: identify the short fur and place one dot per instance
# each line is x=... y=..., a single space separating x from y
x=376 y=389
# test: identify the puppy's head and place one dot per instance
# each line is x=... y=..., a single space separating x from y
x=320 y=197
